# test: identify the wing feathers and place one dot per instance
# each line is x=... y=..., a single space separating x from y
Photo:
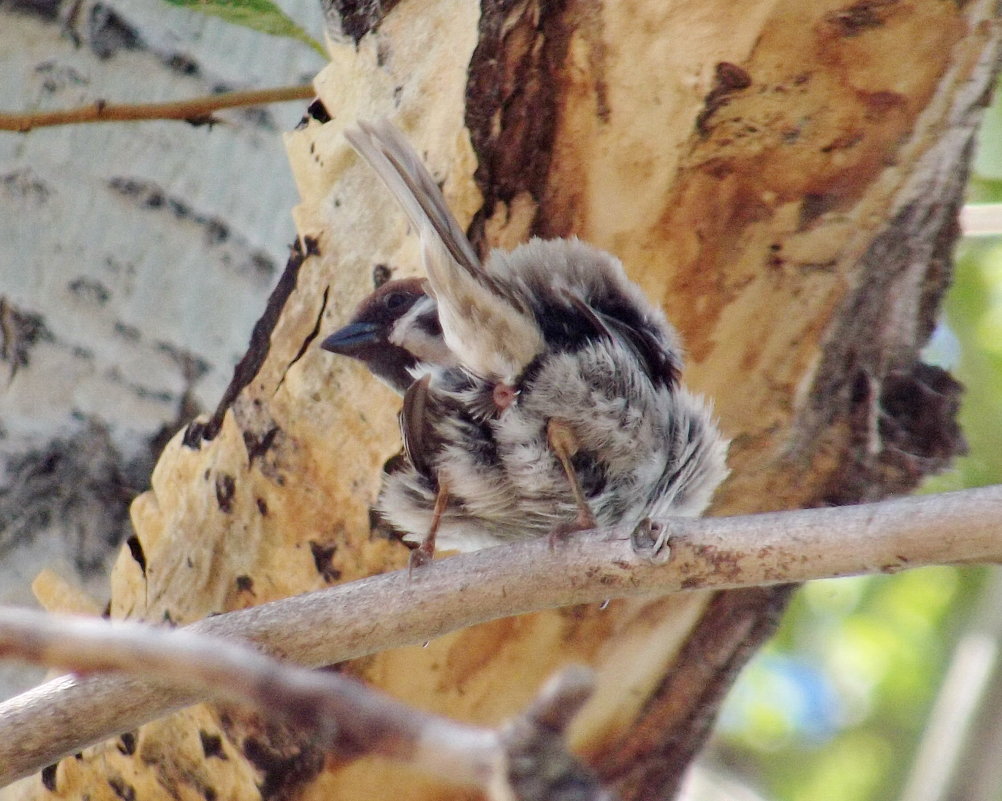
x=485 y=324
x=396 y=163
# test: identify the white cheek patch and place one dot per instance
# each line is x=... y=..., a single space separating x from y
x=411 y=334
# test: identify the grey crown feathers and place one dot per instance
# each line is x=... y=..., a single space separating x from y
x=541 y=388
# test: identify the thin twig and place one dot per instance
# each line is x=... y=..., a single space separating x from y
x=379 y=612
x=337 y=712
x=981 y=219
x=196 y=109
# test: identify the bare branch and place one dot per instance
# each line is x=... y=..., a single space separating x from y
x=981 y=219
x=526 y=762
x=196 y=109
x=379 y=612
x=539 y=766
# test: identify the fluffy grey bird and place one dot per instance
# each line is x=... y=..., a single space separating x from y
x=555 y=404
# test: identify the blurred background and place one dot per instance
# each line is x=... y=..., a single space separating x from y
x=889 y=687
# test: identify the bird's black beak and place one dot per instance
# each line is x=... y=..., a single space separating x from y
x=351 y=339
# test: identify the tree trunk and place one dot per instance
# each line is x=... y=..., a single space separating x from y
x=783 y=177
x=134 y=259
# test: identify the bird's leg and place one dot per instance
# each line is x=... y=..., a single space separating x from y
x=425 y=552
x=564 y=444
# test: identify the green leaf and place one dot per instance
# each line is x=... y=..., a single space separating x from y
x=259 y=15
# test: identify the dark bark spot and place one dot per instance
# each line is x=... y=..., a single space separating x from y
x=286 y=760
x=194 y=434
x=24 y=185
x=212 y=745
x=859 y=17
x=182 y=64
x=216 y=231
x=108 y=32
x=731 y=76
x=355 y=18
x=880 y=104
x=127 y=332
x=20 y=331
x=318 y=111
x=126 y=792
x=226 y=488
x=46 y=9
x=258 y=446
x=49 y=777
x=918 y=414
x=136 y=549
x=89 y=289
x=728 y=79
x=813 y=206
x=381 y=273
x=323 y=558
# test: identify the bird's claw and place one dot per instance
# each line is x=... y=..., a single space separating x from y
x=420 y=557
x=650 y=541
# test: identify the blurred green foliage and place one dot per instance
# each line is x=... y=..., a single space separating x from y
x=834 y=706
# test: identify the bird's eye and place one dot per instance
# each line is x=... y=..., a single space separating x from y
x=394 y=300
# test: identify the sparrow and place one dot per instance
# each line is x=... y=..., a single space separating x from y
x=546 y=398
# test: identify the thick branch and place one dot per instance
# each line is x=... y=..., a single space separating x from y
x=378 y=613
x=337 y=712
x=196 y=109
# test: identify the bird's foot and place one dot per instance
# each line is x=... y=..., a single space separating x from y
x=420 y=557
x=583 y=521
x=650 y=540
